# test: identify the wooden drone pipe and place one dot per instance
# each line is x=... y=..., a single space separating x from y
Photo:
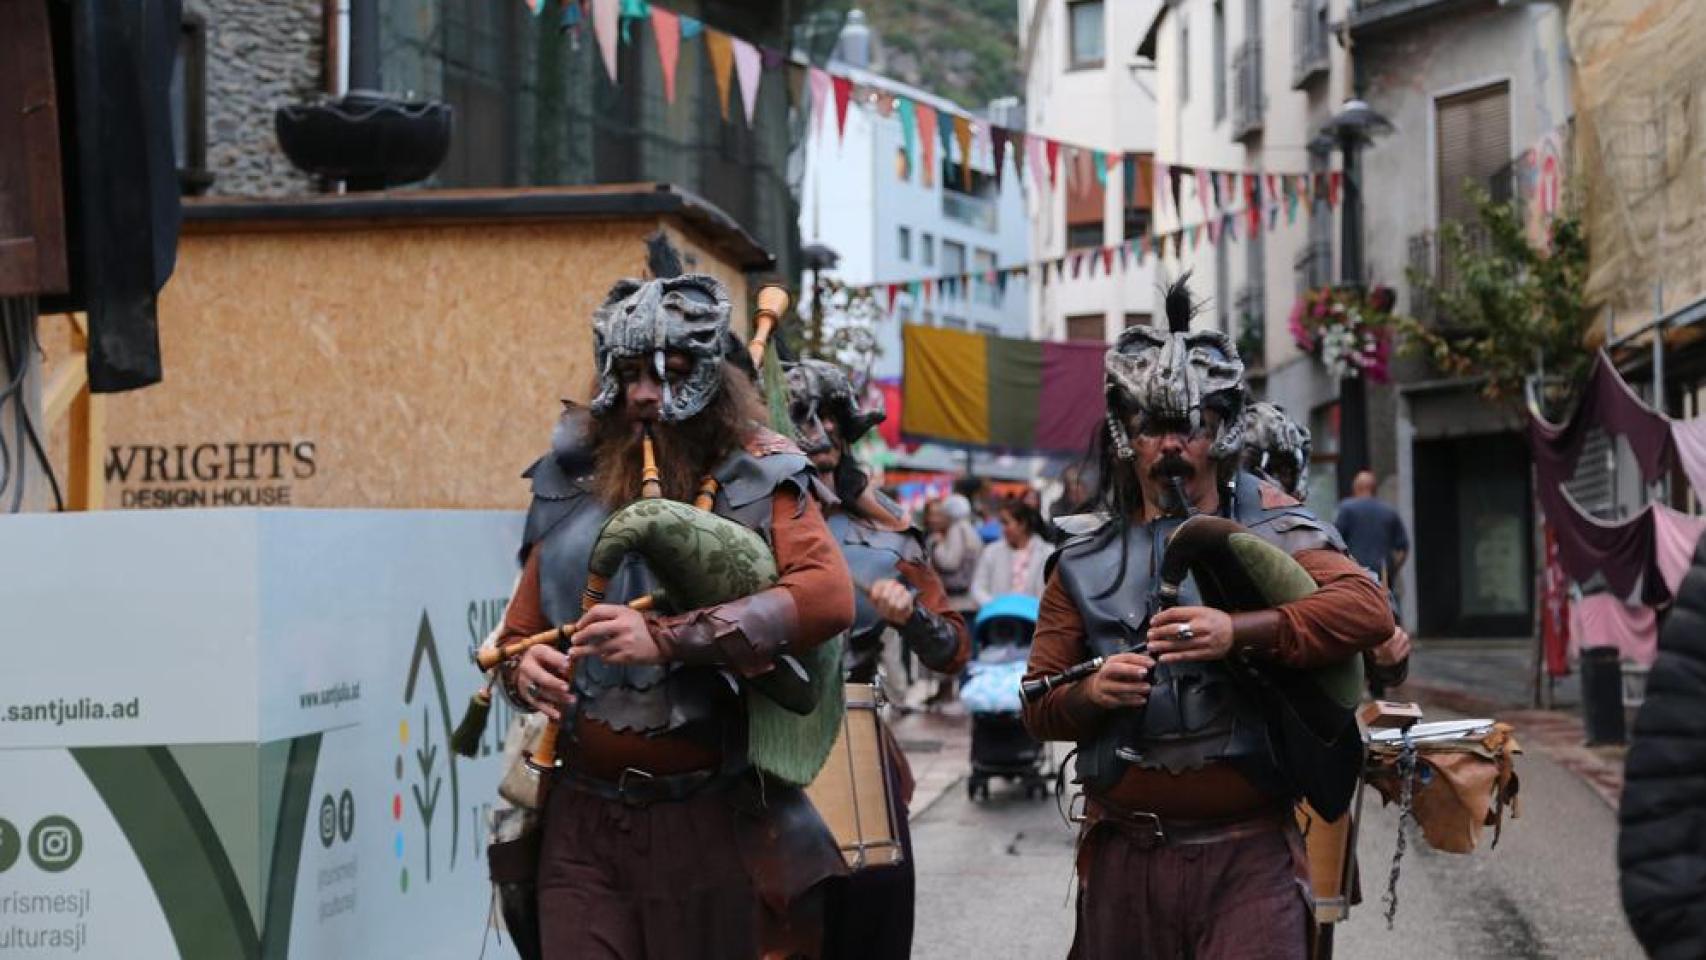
x=488 y=657
x=773 y=302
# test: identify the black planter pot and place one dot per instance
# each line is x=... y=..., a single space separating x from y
x=368 y=140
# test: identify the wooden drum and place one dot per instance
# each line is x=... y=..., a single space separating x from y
x=1331 y=848
x=852 y=792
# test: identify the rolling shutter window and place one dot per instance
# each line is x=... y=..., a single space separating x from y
x=1473 y=143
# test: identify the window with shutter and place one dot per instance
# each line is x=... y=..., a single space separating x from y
x=1474 y=144
x=1087 y=326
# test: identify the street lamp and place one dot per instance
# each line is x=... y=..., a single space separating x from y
x=1353 y=126
x=817 y=258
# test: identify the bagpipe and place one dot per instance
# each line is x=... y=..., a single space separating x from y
x=1313 y=726
x=794 y=711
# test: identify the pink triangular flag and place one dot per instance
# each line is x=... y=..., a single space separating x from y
x=605 y=16
x=1204 y=192
x=666 y=30
x=749 y=69
x=1038 y=162
x=820 y=84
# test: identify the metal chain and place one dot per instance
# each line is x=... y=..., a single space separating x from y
x=1406 y=815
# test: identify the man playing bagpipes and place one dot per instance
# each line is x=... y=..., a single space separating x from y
x=870 y=912
x=1276 y=448
x=1197 y=731
x=660 y=839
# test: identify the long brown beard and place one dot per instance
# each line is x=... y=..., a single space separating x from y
x=686 y=452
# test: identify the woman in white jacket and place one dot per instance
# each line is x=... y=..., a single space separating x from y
x=1014 y=563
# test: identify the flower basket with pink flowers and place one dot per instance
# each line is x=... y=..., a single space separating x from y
x=1348 y=329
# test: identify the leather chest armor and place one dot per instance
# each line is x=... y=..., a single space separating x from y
x=563 y=523
x=872 y=554
x=1198 y=713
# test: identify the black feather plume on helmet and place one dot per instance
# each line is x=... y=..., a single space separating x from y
x=1180 y=307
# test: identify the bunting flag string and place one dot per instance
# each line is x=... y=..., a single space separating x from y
x=1148 y=182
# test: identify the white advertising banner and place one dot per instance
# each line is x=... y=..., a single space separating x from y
x=231 y=739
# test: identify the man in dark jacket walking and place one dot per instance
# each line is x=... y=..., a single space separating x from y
x=1661 y=847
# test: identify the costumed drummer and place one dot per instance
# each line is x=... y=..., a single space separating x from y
x=1276 y=448
x=660 y=839
x=870 y=913
x=1189 y=845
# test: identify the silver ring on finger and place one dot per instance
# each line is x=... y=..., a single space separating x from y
x=1185 y=632
x=533 y=690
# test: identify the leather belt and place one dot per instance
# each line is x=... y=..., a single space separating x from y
x=1151 y=830
x=639 y=788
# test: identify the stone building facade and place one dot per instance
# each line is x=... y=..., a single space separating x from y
x=258 y=57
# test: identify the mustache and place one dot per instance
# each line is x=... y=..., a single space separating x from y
x=1170 y=466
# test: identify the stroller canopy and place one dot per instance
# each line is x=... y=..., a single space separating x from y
x=1016 y=606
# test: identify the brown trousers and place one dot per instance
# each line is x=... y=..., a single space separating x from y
x=662 y=882
x=1237 y=899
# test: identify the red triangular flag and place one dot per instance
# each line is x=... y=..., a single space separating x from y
x=894 y=293
x=1334 y=181
x=1108 y=260
x=843 y=89
x=1052 y=149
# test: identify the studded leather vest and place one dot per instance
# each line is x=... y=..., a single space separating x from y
x=563 y=523
x=1198 y=713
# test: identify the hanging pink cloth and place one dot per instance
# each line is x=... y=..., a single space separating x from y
x=1620 y=551
x=1602 y=620
x=1675 y=535
x=1690 y=439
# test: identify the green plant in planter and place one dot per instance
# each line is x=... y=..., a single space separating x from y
x=1511 y=305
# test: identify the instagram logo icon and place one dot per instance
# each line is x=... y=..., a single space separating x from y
x=55 y=844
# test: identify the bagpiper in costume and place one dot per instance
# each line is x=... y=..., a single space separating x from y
x=1189 y=846
x=660 y=839
x=870 y=913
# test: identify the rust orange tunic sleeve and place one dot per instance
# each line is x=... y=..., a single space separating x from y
x=1064 y=713
x=811 y=567
x=525 y=615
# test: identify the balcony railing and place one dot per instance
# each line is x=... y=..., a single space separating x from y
x=1309 y=41
x=1248 y=104
x=1433 y=268
x=979 y=212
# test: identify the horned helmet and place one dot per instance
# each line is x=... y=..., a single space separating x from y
x=820 y=391
x=1175 y=374
x=1278 y=447
x=687 y=314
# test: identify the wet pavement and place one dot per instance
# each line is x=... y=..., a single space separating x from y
x=995 y=877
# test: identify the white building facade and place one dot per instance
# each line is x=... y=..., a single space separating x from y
x=865 y=196
x=1086 y=86
x=1246 y=86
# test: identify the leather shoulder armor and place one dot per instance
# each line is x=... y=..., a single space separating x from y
x=1281 y=520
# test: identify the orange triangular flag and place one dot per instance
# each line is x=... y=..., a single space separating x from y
x=721 y=47
x=962 y=136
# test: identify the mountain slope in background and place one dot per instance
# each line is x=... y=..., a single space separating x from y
x=965 y=50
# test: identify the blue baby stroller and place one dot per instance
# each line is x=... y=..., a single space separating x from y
x=1001 y=747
